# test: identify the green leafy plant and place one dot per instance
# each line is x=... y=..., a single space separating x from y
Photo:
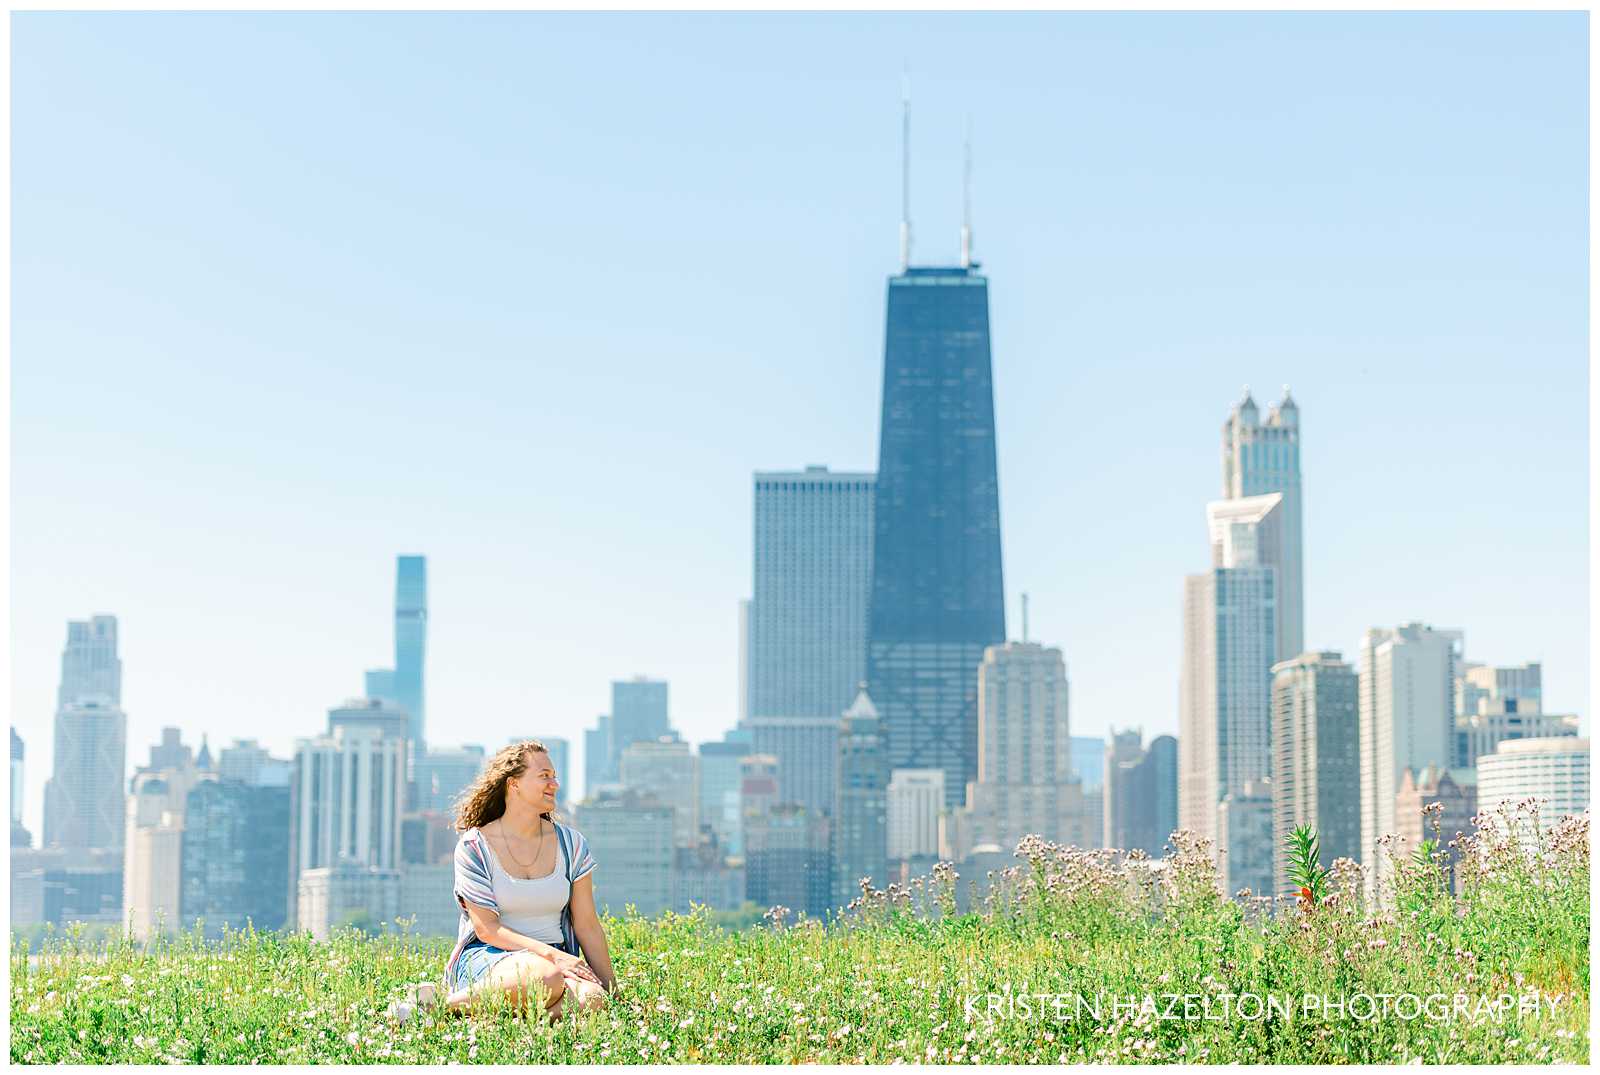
x=1308 y=878
x=1423 y=856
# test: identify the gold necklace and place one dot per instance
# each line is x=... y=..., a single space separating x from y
x=537 y=851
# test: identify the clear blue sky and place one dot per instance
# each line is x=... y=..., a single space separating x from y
x=533 y=295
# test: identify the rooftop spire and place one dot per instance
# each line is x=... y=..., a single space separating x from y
x=966 y=198
x=905 y=170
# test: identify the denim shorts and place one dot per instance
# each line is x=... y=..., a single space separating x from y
x=475 y=962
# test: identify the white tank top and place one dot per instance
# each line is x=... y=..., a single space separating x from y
x=531 y=906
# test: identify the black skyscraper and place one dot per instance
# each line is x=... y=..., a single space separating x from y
x=937 y=598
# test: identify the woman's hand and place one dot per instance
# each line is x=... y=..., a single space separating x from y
x=571 y=963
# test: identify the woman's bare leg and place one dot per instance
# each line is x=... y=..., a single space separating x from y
x=585 y=995
x=520 y=977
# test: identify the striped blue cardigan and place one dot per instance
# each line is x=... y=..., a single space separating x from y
x=475 y=884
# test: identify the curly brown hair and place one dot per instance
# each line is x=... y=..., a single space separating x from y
x=484 y=800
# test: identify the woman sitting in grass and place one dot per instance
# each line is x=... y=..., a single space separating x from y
x=527 y=898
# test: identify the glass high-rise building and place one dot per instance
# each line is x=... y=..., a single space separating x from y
x=860 y=828
x=1405 y=710
x=1316 y=771
x=235 y=856
x=1141 y=793
x=1230 y=640
x=600 y=761
x=441 y=775
x=937 y=596
x=90 y=667
x=812 y=581
x=83 y=799
x=411 y=643
x=638 y=712
x=1089 y=761
x=719 y=788
x=1263 y=456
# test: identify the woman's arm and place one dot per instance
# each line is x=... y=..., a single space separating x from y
x=486 y=924
x=591 y=935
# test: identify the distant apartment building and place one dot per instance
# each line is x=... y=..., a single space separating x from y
x=1553 y=770
x=638 y=712
x=859 y=829
x=787 y=860
x=1519 y=687
x=1458 y=802
x=248 y=762
x=153 y=846
x=600 y=758
x=669 y=771
x=807 y=749
x=235 y=855
x=347 y=794
x=1406 y=707
x=83 y=804
x=427 y=838
x=1316 y=753
x=1089 y=765
x=1089 y=761
x=376 y=715
x=758 y=789
x=426 y=905
x=442 y=774
x=1230 y=643
x=60 y=886
x=346 y=896
x=1141 y=793
x=719 y=787
x=915 y=799
x=705 y=875
x=629 y=836
x=1500 y=719
x=1025 y=783
x=1244 y=827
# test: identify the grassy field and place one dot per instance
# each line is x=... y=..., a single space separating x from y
x=905 y=977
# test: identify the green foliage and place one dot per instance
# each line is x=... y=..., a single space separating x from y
x=1308 y=878
x=888 y=981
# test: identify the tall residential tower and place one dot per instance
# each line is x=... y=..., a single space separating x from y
x=1229 y=648
x=411 y=644
x=1406 y=714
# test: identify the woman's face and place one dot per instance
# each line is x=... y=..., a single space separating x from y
x=536 y=787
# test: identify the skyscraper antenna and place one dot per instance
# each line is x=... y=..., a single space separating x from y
x=966 y=199
x=905 y=170
x=1024 y=617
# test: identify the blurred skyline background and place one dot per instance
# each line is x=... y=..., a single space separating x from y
x=534 y=295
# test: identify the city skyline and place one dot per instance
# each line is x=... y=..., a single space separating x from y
x=646 y=577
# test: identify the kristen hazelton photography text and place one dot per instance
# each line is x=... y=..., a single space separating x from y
x=869 y=828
